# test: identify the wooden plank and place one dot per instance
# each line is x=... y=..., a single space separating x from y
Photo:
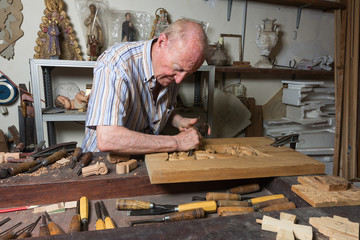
x=317 y=197
x=336 y=226
x=273 y=161
x=325 y=182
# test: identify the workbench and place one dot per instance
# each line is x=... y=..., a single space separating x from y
x=59 y=184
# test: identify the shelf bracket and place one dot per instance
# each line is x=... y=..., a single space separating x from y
x=299 y=14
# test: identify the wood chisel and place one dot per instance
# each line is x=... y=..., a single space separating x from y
x=230 y=203
x=86 y=159
x=44 y=230
x=172 y=217
x=100 y=225
x=84 y=213
x=14 y=235
x=202 y=127
x=109 y=223
x=28 y=231
x=75 y=157
x=215 y=196
x=256 y=200
x=126 y=204
x=208 y=206
x=278 y=207
x=75 y=224
x=269 y=203
x=53 y=227
x=49 y=160
x=9 y=230
x=244 y=189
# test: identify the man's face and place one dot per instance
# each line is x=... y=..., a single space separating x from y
x=178 y=61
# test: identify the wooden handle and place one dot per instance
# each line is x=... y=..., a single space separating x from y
x=75 y=224
x=228 y=203
x=269 y=203
x=86 y=159
x=244 y=189
x=265 y=198
x=21 y=167
x=222 y=196
x=278 y=207
x=44 y=231
x=84 y=208
x=221 y=210
x=123 y=204
x=208 y=206
x=55 y=156
x=109 y=224
x=25 y=234
x=77 y=153
x=9 y=235
x=187 y=215
x=55 y=229
x=100 y=225
x=224 y=214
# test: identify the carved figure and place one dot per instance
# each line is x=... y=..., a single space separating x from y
x=128 y=30
x=161 y=22
x=94 y=32
x=79 y=102
x=54 y=46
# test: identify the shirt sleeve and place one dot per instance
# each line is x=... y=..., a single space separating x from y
x=109 y=97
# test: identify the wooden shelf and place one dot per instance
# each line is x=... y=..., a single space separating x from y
x=231 y=69
x=315 y=4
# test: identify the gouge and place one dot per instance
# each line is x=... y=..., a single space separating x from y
x=86 y=159
x=232 y=203
x=278 y=207
x=172 y=217
x=253 y=201
x=220 y=196
x=221 y=210
x=44 y=230
x=202 y=127
x=49 y=160
x=53 y=227
x=126 y=204
x=28 y=231
x=109 y=223
x=84 y=213
x=75 y=225
x=208 y=206
x=244 y=189
x=269 y=203
x=100 y=225
x=75 y=157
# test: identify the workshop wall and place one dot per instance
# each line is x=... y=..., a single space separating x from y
x=315 y=37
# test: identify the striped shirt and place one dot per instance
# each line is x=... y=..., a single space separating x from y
x=121 y=93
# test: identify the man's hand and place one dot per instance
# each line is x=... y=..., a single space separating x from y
x=188 y=139
x=185 y=123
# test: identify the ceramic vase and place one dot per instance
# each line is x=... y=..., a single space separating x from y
x=266 y=39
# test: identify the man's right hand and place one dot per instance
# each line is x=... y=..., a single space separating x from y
x=187 y=140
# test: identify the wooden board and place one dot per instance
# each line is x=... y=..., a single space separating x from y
x=318 y=197
x=325 y=182
x=271 y=162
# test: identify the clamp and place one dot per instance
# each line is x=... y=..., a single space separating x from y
x=291 y=138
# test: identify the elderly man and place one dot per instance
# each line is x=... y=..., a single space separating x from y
x=134 y=92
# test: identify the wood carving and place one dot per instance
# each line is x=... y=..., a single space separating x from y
x=56 y=38
x=10 y=21
x=96 y=169
x=126 y=167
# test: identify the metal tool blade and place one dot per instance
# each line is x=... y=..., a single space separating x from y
x=153 y=211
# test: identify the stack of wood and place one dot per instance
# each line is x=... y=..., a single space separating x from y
x=327 y=191
x=336 y=228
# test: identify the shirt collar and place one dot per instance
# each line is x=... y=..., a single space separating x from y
x=148 y=68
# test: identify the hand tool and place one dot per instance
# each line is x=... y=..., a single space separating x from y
x=84 y=213
x=244 y=189
x=69 y=146
x=28 y=231
x=49 y=160
x=125 y=204
x=109 y=223
x=278 y=207
x=17 y=209
x=269 y=203
x=75 y=225
x=208 y=206
x=75 y=157
x=100 y=225
x=202 y=127
x=86 y=159
x=221 y=210
x=44 y=229
x=229 y=203
x=2 y=222
x=264 y=198
x=53 y=227
x=176 y=216
x=291 y=138
x=10 y=228
x=14 y=235
x=215 y=196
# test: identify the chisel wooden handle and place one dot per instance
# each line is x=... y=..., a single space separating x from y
x=55 y=156
x=76 y=154
x=84 y=212
x=21 y=167
x=86 y=159
x=9 y=235
x=53 y=227
x=44 y=230
x=265 y=198
x=228 y=203
x=244 y=189
x=221 y=210
x=222 y=196
x=278 y=207
x=208 y=206
x=123 y=204
x=269 y=203
x=186 y=215
x=75 y=225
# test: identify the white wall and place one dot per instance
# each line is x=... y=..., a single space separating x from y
x=315 y=37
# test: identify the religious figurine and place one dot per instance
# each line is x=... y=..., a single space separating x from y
x=161 y=22
x=56 y=29
x=94 y=33
x=79 y=102
x=128 y=30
